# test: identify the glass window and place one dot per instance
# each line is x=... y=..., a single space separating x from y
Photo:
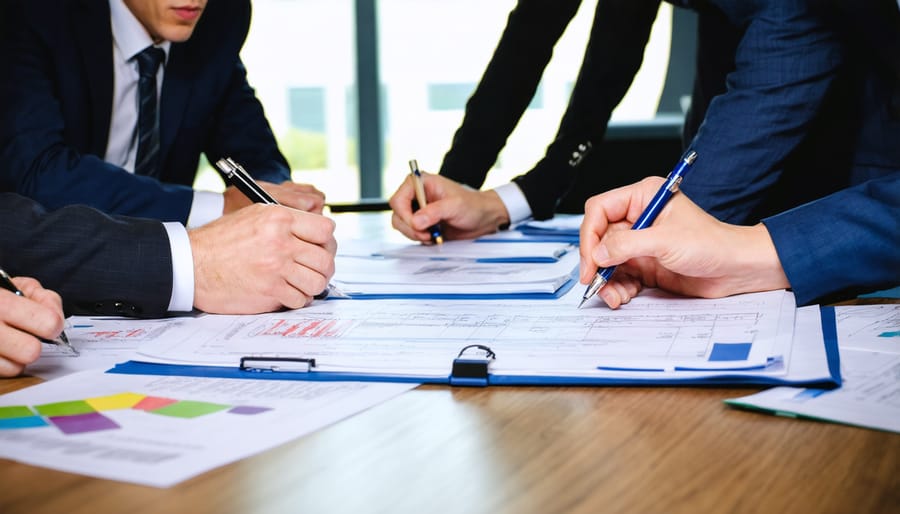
x=300 y=57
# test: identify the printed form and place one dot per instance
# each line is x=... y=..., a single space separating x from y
x=869 y=342
x=655 y=332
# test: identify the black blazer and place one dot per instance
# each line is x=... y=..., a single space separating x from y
x=99 y=264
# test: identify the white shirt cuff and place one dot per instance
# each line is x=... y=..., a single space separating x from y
x=182 y=268
x=514 y=200
x=206 y=207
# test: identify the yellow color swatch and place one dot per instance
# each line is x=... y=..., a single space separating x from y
x=115 y=401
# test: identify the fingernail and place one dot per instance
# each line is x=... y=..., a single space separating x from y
x=419 y=220
x=601 y=254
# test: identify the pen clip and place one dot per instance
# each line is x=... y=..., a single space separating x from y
x=278 y=364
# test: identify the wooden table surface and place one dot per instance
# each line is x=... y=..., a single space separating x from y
x=519 y=450
x=522 y=450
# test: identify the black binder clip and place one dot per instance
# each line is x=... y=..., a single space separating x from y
x=278 y=364
x=472 y=370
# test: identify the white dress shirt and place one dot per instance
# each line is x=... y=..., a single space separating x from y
x=514 y=199
x=129 y=39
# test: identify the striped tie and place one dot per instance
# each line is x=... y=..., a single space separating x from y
x=147 y=159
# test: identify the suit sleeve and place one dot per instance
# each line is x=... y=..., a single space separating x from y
x=614 y=54
x=240 y=129
x=99 y=264
x=785 y=63
x=37 y=160
x=506 y=88
x=841 y=245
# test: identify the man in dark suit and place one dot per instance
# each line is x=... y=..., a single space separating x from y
x=779 y=116
x=73 y=123
x=116 y=265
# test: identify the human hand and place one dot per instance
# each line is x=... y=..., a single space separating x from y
x=23 y=319
x=463 y=212
x=303 y=197
x=685 y=251
x=260 y=259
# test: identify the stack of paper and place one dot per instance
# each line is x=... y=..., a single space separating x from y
x=477 y=250
x=467 y=270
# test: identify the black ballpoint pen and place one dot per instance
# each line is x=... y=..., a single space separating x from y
x=62 y=341
x=242 y=180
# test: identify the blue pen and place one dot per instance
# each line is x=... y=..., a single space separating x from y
x=435 y=230
x=653 y=209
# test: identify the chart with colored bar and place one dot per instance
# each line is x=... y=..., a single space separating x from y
x=88 y=415
x=159 y=431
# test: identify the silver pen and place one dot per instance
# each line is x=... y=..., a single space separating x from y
x=61 y=341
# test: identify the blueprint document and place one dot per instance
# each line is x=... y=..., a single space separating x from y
x=869 y=342
x=655 y=335
x=159 y=431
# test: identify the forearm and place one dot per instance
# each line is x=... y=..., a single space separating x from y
x=619 y=34
x=786 y=63
x=842 y=245
x=506 y=88
x=241 y=131
x=89 y=258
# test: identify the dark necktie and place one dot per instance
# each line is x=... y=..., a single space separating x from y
x=146 y=162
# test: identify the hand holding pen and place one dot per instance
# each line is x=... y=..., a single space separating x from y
x=238 y=176
x=651 y=211
x=31 y=316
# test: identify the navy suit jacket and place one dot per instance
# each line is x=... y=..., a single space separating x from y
x=788 y=109
x=56 y=98
x=842 y=245
x=99 y=264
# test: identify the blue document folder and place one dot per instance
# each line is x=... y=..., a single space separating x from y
x=472 y=367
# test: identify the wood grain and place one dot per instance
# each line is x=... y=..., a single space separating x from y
x=521 y=450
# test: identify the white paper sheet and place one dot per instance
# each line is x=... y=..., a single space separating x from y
x=421 y=338
x=470 y=250
x=870 y=394
x=159 y=431
x=366 y=276
x=101 y=343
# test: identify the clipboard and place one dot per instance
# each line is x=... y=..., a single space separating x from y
x=474 y=366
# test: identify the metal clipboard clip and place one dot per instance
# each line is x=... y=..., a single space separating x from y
x=472 y=369
x=277 y=364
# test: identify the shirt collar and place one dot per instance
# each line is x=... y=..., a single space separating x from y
x=128 y=34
